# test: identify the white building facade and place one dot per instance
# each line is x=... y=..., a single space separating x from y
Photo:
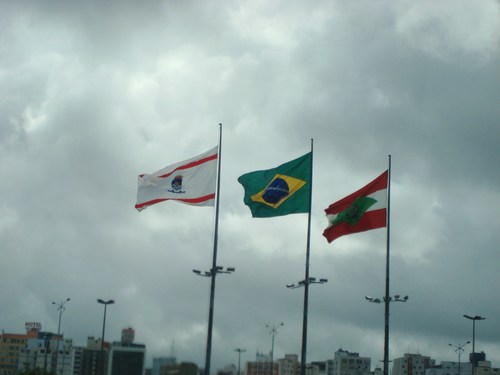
x=412 y=364
x=348 y=363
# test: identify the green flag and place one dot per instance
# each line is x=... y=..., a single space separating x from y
x=280 y=191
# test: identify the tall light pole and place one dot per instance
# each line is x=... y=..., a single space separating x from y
x=459 y=349
x=60 y=309
x=472 y=357
x=387 y=300
x=239 y=357
x=212 y=273
x=474 y=318
x=273 y=332
x=305 y=283
x=105 y=303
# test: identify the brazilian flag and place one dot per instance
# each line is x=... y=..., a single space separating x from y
x=279 y=191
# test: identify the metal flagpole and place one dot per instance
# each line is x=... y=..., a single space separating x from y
x=387 y=298
x=213 y=271
x=306 y=279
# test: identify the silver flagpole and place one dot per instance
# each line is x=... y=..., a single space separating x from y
x=307 y=279
x=213 y=271
x=387 y=298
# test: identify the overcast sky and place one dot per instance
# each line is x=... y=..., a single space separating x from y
x=94 y=93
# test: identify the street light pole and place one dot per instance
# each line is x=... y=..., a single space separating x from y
x=387 y=300
x=459 y=349
x=474 y=318
x=472 y=358
x=273 y=332
x=60 y=308
x=305 y=283
x=212 y=273
x=105 y=303
x=239 y=357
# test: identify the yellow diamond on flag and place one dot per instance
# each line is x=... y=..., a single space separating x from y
x=278 y=190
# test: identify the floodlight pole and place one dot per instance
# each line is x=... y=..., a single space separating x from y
x=239 y=350
x=387 y=299
x=105 y=303
x=60 y=308
x=459 y=349
x=273 y=332
x=472 y=358
x=215 y=269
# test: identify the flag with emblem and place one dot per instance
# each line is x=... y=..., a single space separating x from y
x=279 y=191
x=190 y=181
x=363 y=210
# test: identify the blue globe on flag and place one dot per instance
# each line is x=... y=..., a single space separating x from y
x=276 y=191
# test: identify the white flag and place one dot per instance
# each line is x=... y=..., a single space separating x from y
x=190 y=181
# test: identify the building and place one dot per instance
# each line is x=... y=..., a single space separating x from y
x=262 y=366
x=449 y=368
x=158 y=362
x=347 y=363
x=484 y=368
x=184 y=368
x=91 y=359
x=11 y=345
x=289 y=365
x=48 y=353
x=412 y=364
x=316 y=368
x=125 y=357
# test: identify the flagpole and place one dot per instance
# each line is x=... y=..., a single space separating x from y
x=306 y=279
x=214 y=270
x=387 y=298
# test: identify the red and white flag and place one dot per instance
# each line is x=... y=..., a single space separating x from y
x=190 y=181
x=360 y=211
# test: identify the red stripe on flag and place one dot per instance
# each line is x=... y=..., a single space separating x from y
x=191 y=165
x=370 y=220
x=198 y=200
x=379 y=183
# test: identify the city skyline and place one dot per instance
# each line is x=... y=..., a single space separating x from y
x=128 y=335
x=95 y=93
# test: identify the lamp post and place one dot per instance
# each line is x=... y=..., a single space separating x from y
x=273 y=332
x=61 y=309
x=459 y=349
x=239 y=357
x=474 y=318
x=212 y=273
x=472 y=357
x=387 y=301
x=305 y=283
x=105 y=303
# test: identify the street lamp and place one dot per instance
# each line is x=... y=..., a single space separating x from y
x=105 y=303
x=305 y=283
x=218 y=269
x=459 y=349
x=212 y=273
x=239 y=357
x=387 y=301
x=396 y=298
x=60 y=308
x=301 y=283
x=472 y=357
x=474 y=318
x=273 y=332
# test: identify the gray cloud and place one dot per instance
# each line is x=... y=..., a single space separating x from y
x=94 y=94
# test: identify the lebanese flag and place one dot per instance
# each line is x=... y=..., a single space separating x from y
x=363 y=210
x=190 y=181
